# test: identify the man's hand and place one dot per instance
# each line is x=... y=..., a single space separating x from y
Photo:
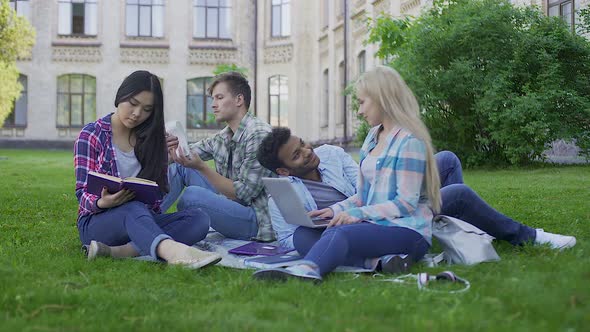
x=171 y=145
x=343 y=218
x=107 y=200
x=194 y=162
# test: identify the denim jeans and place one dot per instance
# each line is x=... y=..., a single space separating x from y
x=352 y=244
x=134 y=222
x=228 y=217
x=460 y=201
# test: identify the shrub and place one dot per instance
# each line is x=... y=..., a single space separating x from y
x=496 y=83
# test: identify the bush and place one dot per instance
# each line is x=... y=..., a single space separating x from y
x=497 y=83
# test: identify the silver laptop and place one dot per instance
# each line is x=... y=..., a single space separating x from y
x=290 y=204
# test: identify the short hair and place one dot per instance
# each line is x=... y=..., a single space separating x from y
x=268 y=151
x=236 y=83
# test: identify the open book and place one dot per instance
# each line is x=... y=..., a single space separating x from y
x=146 y=191
x=175 y=128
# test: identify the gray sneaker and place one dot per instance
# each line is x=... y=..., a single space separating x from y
x=96 y=249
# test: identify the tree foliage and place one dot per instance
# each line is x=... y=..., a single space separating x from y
x=16 y=40
x=224 y=68
x=496 y=83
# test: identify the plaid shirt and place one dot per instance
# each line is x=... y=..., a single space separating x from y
x=398 y=196
x=243 y=168
x=93 y=151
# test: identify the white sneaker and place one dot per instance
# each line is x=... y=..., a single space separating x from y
x=556 y=241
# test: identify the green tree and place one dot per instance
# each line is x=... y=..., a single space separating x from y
x=496 y=83
x=224 y=68
x=16 y=40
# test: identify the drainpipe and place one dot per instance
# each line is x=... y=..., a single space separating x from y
x=344 y=99
x=256 y=57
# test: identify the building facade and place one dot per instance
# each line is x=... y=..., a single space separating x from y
x=299 y=56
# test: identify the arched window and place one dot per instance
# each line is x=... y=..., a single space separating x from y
x=76 y=100
x=18 y=116
x=199 y=114
x=212 y=19
x=325 y=99
x=361 y=62
x=278 y=100
x=340 y=94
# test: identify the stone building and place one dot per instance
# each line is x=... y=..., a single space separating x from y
x=299 y=56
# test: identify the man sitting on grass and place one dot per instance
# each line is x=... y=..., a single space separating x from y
x=327 y=175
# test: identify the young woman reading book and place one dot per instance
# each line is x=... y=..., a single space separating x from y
x=398 y=190
x=131 y=143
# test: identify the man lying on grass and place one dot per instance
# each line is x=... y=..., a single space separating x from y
x=327 y=175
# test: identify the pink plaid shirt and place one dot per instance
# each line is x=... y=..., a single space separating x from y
x=93 y=151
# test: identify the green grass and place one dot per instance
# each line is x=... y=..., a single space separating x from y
x=46 y=284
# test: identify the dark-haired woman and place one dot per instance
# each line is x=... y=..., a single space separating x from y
x=131 y=143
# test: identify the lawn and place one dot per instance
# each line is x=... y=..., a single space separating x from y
x=46 y=284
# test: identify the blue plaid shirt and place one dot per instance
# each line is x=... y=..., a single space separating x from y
x=398 y=196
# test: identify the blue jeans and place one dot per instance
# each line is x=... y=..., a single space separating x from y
x=228 y=217
x=134 y=222
x=352 y=244
x=460 y=201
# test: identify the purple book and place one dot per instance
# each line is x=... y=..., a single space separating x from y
x=146 y=191
x=257 y=248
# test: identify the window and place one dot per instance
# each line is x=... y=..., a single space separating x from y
x=18 y=116
x=199 y=113
x=22 y=7
x=278 y=99
x=212 y=19
x=280 y=20
x=361 y=62
x=340 y=94
x=76 y=100
x=144 y=18
x=325 y=99
x=563 y=9
x=77 y=17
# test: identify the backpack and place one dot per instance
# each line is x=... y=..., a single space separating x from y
x=462 y=242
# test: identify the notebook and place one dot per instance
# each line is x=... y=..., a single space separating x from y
x=267 y=262
x=258 y=248
x=290 y=205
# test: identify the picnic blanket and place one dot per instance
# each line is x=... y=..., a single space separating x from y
x=215 y=242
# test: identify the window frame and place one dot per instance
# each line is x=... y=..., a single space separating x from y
x=69 y=94
x=280 y=78
x=15 y=7
x=206 y=6
x=84 y=4
x=139 y=6
x=281 y=6
x=559 y=4
x=206 y=81
x=10 y=121
x=325 y=114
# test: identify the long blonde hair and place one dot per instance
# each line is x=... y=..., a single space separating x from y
x=388 y=90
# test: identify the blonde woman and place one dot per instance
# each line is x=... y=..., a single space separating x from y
x=397 y=194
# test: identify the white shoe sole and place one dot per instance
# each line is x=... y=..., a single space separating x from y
x=194 y=265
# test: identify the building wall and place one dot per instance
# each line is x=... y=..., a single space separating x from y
x=302 y=57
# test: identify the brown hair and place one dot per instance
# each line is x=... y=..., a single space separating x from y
x=236 y=83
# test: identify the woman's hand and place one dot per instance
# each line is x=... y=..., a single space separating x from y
x=323 y=213
x=107 y=200
x=343 y=218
